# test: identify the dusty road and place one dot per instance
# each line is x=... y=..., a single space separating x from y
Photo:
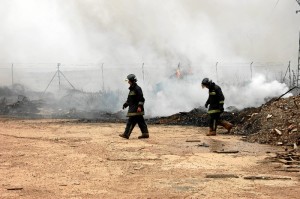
x=64 y=159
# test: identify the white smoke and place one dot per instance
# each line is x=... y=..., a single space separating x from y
x=254 y=93
x=185 y=94
x=123 y=34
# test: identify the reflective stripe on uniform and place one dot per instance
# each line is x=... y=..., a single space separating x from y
x=135 y=114
x=132 y=93
x=221 y=102
x=212 y=93
x=141 y=103
x=214 y=111
x=214 y=125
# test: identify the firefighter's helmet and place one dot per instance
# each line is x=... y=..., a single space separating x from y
x=206 y=82
x=131 y=77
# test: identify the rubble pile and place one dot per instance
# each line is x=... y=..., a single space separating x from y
x=22 y=107
x=196 y=117
x=276 y=122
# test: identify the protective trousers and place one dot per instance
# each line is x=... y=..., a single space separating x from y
x=132 y=121
x=214 y=121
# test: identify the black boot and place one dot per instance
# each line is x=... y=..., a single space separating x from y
x=124 y=136
x=143 y=136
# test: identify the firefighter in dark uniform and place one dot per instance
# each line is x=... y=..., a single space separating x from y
x=135 y=102
x=215 y=102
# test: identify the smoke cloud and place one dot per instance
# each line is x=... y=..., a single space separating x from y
x=123 y=34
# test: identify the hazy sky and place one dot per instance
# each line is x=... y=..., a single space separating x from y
x=130 y=31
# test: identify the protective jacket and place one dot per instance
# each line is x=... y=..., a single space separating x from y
x=215 y=99
x=134 y=100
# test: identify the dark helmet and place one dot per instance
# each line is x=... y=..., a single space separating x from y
x=131 y=77
x=206 y=82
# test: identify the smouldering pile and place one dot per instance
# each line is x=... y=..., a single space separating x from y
x=276 y=122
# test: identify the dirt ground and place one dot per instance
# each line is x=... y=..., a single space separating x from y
x=66 y=159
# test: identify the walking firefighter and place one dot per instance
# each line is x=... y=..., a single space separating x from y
x=135 y=101
x=215 y=102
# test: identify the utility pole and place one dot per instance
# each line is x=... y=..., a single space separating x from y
x=298 y=71
x=143 y=72
x=102 y=78
x=290 y=77
x=217 y=70
x=58 y=74
x=288 y=70
x=251 y=69
x=12 y=74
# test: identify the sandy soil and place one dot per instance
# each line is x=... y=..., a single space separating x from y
x=65 y=159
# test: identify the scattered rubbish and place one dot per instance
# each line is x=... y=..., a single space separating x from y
x=291 y=158
x=14 y=188
x=266 y=178
x=288 y=170
x=223 y=151
x=295 y=146
x=279 y=143
x=138 y=168
x=193 y=140
x=292 y=127
x=203 y=145
x=63 y=185
x=133 y=159
x=278 y=131
x=221 y=176
x=269 y=116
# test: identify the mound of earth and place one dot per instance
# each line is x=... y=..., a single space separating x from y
x=276 y=122
x=196 y=117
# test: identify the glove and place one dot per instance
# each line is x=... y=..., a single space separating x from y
x=206 y=105
x=125 y=105
x=221 y=108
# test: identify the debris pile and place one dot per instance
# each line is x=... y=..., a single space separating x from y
x=196 y=117
x=276 y=122
x=23 y=107
x=290 y=160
